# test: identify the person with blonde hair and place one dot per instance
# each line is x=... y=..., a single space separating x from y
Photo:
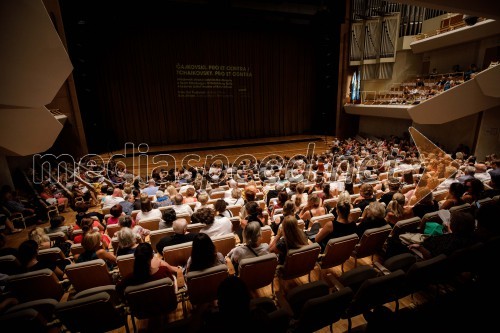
x=289 y=237
x=40 y=237
x=395 y=209
x=95 y=249
x=311 y=209
x=300 y=197
x=202 y=201
x=172 y=191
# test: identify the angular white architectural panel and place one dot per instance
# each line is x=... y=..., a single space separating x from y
x=33 y=61
x=27 y=131
x=488 y=81
x=460 y=101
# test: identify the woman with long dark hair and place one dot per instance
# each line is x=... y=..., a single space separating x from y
x=203 y=254
x=145 y=269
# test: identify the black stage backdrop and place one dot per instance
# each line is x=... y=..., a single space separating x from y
x=161 y=76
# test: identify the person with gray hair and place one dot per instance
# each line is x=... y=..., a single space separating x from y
x=180 y=235
x=252 y=247
x=373 y=217
x=235 y=199
x=127 y=241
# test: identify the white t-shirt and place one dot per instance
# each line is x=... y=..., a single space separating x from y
x=152 y=214
x=183 y=209
x=110 y=201
x=221 y=226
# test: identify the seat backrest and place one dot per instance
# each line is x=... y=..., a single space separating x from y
x=372 y=241
x=330 y=202
x=299 y=262
x=429 y=217
x=425 y=272
x=125 y=264
x=324 y=310
x=156 y=235
x=234 y=209
x=76 y=249
x=56 y=237
x=185 y=216
x=338 y=250
x=94 y=313
x=266 y=233
x=25 y=320
x=53 y=254
x=217 y=195
x=195 y=227
x=224 y=243
x=134 y=213
x=202 y=285
x=401 y=261
x=440 y=195
x=89 y=274
x=152 y=298
x=112 y=229
x=321 y=219
x=177 y=255
x=403 y=226
x=9 y=265
x=258 y=272
x=35 y=285
x=150 y=224
x=376 y=291
x=298 y=296
x=354 y=214
x=466 y=208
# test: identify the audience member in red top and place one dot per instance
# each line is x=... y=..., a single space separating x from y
x=116 y=211
x=87 y=224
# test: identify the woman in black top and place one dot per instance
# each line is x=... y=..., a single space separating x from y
x=338 y=228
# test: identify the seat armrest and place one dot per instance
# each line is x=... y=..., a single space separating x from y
x=283 y=303
x=181 y=282
x=334 y=282
x=230 y=267
x=381 y=268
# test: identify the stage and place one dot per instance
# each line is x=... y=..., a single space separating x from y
x=259 y=148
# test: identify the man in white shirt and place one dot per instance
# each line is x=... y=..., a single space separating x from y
x=215 y=227
x=481 y=174
x=111 y=200
x=179 y=207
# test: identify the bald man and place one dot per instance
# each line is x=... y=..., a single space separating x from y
x=180 y=235
x=113 y=199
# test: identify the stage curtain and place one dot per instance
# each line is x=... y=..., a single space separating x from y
x=138 y=93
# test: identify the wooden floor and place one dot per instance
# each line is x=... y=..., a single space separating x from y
x=408 y=303
x=259 y=148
